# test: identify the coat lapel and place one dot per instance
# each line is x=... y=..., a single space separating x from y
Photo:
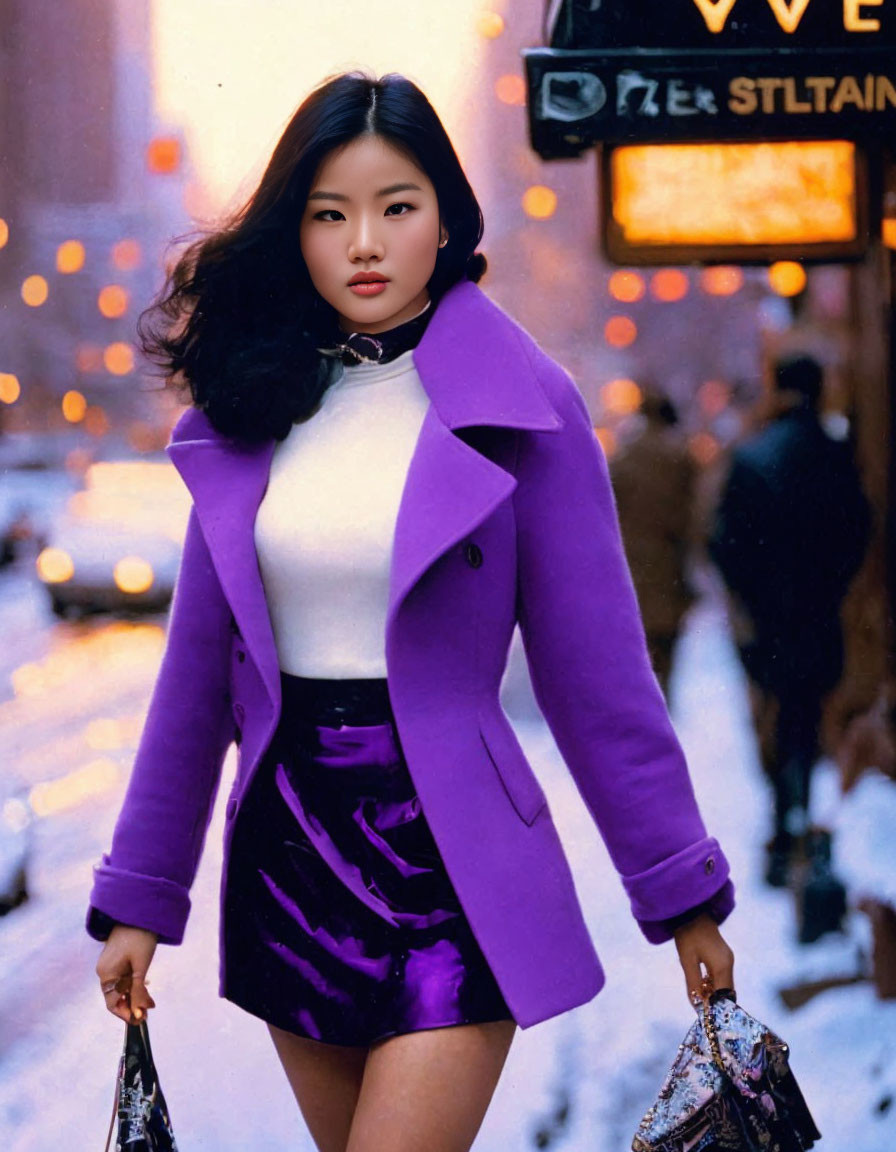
x=476 y=367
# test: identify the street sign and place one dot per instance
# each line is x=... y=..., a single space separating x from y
x=635 y=70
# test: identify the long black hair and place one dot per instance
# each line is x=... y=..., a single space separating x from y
x=238 y=321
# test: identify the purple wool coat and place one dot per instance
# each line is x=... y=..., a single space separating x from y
x=506 y=516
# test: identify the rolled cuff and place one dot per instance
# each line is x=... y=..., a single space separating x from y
x=696 y=876
x=149 y=902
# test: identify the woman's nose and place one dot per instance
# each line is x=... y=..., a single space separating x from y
x=365 y=243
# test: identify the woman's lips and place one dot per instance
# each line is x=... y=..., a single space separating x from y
x=371 y=288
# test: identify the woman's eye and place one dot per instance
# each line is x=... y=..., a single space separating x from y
x=409 y=207
x=326 y=214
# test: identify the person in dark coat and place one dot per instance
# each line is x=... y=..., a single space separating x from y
x=789 y=534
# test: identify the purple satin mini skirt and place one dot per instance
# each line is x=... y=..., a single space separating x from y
x=340 y=922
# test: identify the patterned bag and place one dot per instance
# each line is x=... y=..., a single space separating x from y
x=140 y=1110
x=730 y=1089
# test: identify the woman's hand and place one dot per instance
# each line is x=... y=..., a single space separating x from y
x=700 y=942
x=122 y=968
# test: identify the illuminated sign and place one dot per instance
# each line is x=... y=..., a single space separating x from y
x=733 y=202
x=637 y=70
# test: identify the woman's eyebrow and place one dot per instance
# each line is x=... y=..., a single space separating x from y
x=390 y=191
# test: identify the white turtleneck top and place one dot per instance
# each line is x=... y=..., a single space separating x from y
x=324 y=529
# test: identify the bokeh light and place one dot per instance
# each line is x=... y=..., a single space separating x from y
x=620 y=331
x=607 y=440
x=163 y=155
x=127 y=255
x=787 y=278
x=721 y=279
x=713 y=396
x=10 y=389
x=621 y=396
x=118 y=358
x=89 y=358
x=669 y=285
x=4 y=233
x=112 y=300
x=70 y=256
x=511 y=89
x=539 y=202
x=96 y=421
x=133 y=574
x=54 y=566
x=35 y=291
x=626 y=287
x=489 y=24
x=74 y=406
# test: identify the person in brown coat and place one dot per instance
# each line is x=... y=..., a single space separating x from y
x=653 y=478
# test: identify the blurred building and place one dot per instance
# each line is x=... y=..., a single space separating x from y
x=91 y=187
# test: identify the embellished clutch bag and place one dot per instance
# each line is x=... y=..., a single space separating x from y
x=730 y=1089
x=140 y=1119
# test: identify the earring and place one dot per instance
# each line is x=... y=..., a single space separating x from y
x=443 y=241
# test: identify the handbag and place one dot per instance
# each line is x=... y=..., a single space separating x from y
x=140 y=1111
x=730 y=1089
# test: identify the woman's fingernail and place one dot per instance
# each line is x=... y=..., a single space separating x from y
x=138 y=1013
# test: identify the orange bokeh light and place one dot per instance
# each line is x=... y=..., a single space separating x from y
x=10 y=389
x=621 y=397
x=70 y=256
x=888 y=232
x=112 y=301
x=669 y=285
x=606 y=439
x=89 y=358
x=118 y=358
x=539 y=202
x=35 y=291
x=4 y=233
x=163 y=155
x=626 y=286
x=620 y=331
x=787 y=278
x=511 y=89
x=74 y=406
x=127 y=255
x=489 y=25
x=721 y=279
x=96 y=421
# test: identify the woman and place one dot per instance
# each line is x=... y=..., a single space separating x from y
x=388 y=474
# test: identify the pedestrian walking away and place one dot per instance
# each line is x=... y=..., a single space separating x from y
x=388 y=475
x=789 y=535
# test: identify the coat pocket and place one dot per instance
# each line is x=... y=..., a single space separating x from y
x=509 y=761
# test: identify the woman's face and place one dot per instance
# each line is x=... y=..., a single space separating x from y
x=371 y=210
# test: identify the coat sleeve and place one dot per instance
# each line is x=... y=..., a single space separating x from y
x=592 y=678
x=145 y=879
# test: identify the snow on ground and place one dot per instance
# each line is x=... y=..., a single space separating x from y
x=575 y=1083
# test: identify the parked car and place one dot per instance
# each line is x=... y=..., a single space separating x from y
x=116 y=545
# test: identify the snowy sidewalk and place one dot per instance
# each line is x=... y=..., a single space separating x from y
x=578 y=1083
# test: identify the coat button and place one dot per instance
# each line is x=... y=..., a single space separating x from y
x=240 y=655
x=710 y=866
x=473 y=554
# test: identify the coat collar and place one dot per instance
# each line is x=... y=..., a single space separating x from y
x=476 y=364
x=477 y=367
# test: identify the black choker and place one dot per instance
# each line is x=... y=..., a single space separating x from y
x=377 y=348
